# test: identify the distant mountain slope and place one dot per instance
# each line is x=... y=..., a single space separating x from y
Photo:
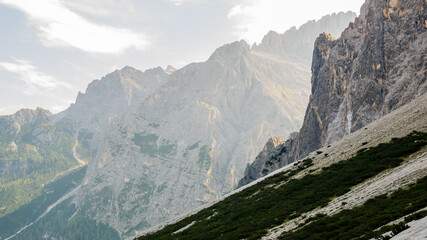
x=349 y=190
x=117 y=93
x=377 y=65
x=33 y=152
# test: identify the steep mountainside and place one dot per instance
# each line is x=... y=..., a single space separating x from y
x=377 y=65
x=119 y=92
x=371 y=184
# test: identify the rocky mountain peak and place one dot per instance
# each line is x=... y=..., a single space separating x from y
x=272 y=143
x=154 y=71
x=117 y=93
x=272 y=40
x=29 y=115
x=169 y=69
x=230 y=51
x=325 y=37
x=127 y=69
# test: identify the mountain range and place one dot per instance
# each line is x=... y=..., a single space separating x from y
x=139 y=148
x=160 y=152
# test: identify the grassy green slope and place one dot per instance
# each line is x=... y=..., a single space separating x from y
x=29 y=212
x=64 y=221
x=30 y=157
x=250 y=213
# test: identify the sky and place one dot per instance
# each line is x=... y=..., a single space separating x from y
x=52 y=49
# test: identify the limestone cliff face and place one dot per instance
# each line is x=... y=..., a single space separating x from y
x=118 y=92
x=115 y=94
x=377 y=65
x=189 y=142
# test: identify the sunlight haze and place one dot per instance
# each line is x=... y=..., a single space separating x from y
x=52 y=49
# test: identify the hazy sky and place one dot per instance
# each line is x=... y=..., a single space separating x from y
x=51 y=49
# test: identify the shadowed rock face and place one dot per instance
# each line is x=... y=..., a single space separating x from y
x=377 y=65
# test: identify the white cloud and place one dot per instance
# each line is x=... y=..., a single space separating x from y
x=177 y=2
x=253 y=19
x=180 y=2
x=36 y=82
x=103 y=8
x=59 y=108
x=235 y=11
x=60 y=27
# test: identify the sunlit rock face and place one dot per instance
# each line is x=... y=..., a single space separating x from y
x=377 y=65
x=115 y=94
x=189 y=142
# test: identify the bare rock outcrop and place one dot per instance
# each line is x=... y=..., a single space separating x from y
x=268 y=159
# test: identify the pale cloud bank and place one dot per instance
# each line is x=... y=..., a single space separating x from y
x=37 y=85
x=36 y=82
x=181 y=2
x=60 y=27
